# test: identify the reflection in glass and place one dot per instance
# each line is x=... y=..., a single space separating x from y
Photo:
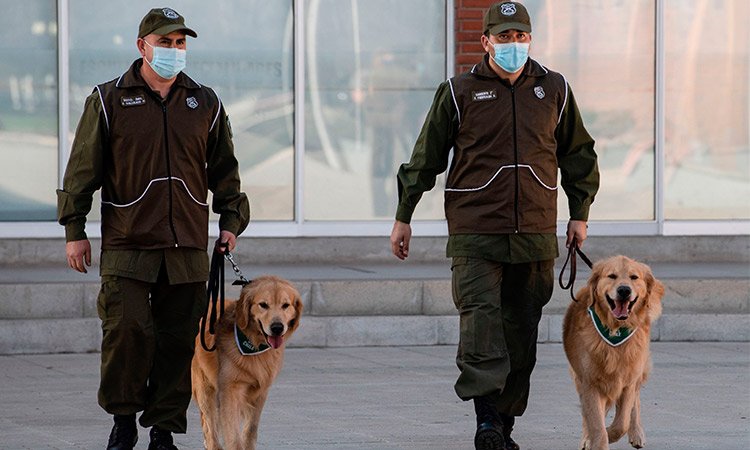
x=372 y=70
x=243 y=51
x=28 y=110
x=707 y=110
x=606 y=51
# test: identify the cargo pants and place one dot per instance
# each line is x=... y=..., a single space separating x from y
x=500 y=306
x=149 y=332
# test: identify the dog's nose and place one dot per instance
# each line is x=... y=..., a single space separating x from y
x=277 y=328
x=623 y=292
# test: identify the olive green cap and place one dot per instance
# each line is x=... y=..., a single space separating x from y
x=162 y=21
x=503 y=16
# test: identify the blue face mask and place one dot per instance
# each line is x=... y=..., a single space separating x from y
x=511 y=57
x=167 y=62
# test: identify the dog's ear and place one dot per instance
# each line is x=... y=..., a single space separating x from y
x=654 y=293
x=242 y=312
x=297 y=304
x=589 y=292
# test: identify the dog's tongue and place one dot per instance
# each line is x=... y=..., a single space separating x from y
x=275 y=341
x=621 y=309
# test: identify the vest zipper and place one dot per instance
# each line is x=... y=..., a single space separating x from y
x=515 y=154
x=169 y=172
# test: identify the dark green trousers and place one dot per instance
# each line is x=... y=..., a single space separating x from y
x=148 y=342
x=500 y=306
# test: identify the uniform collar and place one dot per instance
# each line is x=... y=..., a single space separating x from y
x=531 y=69
x=133 y=78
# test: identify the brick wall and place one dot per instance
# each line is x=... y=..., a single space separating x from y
x=468 y=29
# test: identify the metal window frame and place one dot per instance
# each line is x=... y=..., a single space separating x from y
x=299 y=227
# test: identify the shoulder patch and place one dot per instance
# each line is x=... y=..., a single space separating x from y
x=480 y=96
x=136 y=100
x=229 y=125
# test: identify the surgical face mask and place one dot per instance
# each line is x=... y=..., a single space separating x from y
x=167 y=62
x=511 y=57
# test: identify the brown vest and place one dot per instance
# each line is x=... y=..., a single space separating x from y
x=155 y=183
x=503 y=176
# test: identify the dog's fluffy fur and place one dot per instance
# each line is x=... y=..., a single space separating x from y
x=623 y=293
x=231 y=388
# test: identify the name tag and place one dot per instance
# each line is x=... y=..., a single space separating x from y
x=138 y=100
x=480 y=96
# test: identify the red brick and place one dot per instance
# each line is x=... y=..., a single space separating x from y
x=468 y=36
x=471 y=25
x=477 y=3
x=469 y=13
x=467 y=59
x=471 y=47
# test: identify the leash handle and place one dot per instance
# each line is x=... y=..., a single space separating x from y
x=572 y=251
x=214 y=294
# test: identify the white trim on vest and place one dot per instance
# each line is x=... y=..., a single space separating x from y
x=149 y=187
x=510 y=166
x=453 y=94
x=106 y=117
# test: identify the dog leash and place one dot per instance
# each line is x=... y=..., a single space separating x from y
x=572 y=258
x=215 y=291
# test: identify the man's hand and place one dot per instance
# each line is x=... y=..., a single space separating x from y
x=400 y=237
x=576 y=229
x=79 y=255
x=229 y=238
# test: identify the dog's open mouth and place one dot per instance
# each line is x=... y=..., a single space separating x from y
x=275 y=341
x=620 y=308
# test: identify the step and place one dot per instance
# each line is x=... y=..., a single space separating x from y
x=53 y=309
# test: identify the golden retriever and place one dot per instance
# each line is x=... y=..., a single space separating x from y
x=231 y=387
x=623 y=296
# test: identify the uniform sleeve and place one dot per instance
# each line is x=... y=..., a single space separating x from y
x=83 y=175
x=577 y=160
x=232 y=205
x=430 y=155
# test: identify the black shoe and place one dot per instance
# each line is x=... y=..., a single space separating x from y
x=161 y=440
x=124 y=433
x=508 y=422
x=489 y=425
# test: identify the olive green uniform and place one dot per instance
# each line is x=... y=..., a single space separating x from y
x=508 y=143
x=154 y=159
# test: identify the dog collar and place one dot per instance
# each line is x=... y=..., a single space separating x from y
x=245 y=346
x=621 y=335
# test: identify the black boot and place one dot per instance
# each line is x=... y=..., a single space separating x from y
x=489 y=425
x=124 y=433
x=161 y=439
x=508 y=422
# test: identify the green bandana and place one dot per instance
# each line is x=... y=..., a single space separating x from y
x=621 y=335
x=245 y=346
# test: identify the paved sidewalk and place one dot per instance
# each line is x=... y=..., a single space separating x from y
x=382 y=398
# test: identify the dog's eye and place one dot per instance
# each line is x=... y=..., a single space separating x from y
x=633 y=277
x=285 y=306
x=263 y=305
x=613 y=276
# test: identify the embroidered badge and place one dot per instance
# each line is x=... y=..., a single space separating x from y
x=480 y=96
x=539 y=91
x=245 y=346
x=191 y=102
x=229 y=125
x=508 y=9
x=615 y=338
x=170 y=13
x=138 y=100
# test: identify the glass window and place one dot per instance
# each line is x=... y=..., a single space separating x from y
x=28 y=111
x=606 y=51
x=371 y=74
x=243 y=51
x=707 y=110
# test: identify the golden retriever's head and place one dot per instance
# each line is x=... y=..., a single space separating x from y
x=626 y=287
x=271 y=307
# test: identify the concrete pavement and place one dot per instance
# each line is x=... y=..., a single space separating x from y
x=378 y=398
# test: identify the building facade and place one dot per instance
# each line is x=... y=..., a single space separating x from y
x=326 y=99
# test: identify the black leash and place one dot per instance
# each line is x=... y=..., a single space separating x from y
x=215 y=291
x=572 y=258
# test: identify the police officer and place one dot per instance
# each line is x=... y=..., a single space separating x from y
x=155 y=141
x=511 y=123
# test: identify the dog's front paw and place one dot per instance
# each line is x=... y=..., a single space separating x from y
x=585 y=444
x=637 y=437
